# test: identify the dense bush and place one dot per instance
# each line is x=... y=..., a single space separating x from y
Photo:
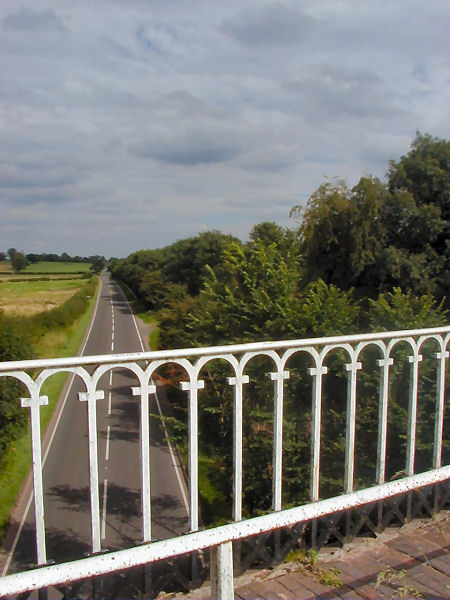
x=15 y=344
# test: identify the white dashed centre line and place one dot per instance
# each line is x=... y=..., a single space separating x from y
x=108 y=433
x=109 y=403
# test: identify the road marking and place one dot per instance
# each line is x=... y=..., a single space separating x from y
x=109 y=403
x=108 y=433
x=110 y=378
x=44 y=459
x=105 y=494
x=176 y=466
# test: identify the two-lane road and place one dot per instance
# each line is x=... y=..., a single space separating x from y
x=66 y=471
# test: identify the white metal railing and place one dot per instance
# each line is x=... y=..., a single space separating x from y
x=33 y=374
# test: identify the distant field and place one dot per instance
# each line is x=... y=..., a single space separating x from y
x=11 y=276
x=57 y=267
x=28 y=298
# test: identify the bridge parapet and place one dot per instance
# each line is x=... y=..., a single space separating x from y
x=349 y=350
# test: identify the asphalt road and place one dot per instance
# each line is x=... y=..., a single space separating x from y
x=66 y=472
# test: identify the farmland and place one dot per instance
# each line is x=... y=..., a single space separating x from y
x=27 y=298
x=42 y=286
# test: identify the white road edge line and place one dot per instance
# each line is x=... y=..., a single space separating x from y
x=27 y=508
x=105 y=494
x=176 y=466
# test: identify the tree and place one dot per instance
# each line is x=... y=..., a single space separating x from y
x=3 y=256
x=425 y=173
x=255 y=292
x=186 y=260
x=98 y=263
x=374 y=236
x=19 y=262
x=341 y=234
x=11 y=252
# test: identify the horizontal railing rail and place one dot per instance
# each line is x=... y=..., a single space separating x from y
x=210 y=538
x=90 y=369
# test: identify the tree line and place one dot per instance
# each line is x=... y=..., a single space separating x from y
x=367 y=258
x=19 y=260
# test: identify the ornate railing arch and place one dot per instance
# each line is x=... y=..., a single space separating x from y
x=91 y=370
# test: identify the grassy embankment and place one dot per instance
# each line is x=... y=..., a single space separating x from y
x=59 y=332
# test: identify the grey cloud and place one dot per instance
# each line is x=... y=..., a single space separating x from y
x=271 y=203
x=25 y=181
x=190 y=148
x=189 y=154
x=51 y=198
x=182 y=100
x=271 y=160
x=273 y=24
x=26 y=19
x=334 y=91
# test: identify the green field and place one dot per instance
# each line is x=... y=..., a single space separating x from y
x=57 y=267
x=33 y=285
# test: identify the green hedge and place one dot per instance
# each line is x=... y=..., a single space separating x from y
x=63 y=315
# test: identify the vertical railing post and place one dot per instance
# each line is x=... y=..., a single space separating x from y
x=91 y=397
x=317 y=373
x=34 y=403
x=352 y=369
x=412 y=412
x=384 y=363
x=144 y=391
x=221 y=572
x=237 y=382
x=278 y=377
x=192 y=387
x=439 y=417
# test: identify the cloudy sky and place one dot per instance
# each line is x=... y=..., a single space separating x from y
x=128 y=124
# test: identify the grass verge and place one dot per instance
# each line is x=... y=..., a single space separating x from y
x=16 y=462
